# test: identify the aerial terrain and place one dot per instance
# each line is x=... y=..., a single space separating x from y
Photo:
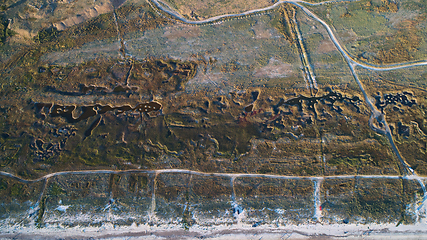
x=210 y=118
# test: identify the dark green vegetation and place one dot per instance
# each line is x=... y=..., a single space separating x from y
x=5 y=32
x=373 y=200
x=18 y=199
x=47 y=35
x=188 y=198
x=264 y=199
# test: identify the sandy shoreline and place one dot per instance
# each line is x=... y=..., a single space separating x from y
x=238 y=231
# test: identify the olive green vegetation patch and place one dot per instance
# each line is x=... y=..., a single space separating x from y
x=363 y=23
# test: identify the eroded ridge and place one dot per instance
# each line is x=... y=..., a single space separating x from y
x=56 y=110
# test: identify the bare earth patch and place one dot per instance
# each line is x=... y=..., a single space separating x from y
x=274 y=69
x=83 y=16
x=326 y=46
x=185 y=32
x=261 y=31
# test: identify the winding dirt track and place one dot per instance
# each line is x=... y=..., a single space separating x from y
x=230 y=175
